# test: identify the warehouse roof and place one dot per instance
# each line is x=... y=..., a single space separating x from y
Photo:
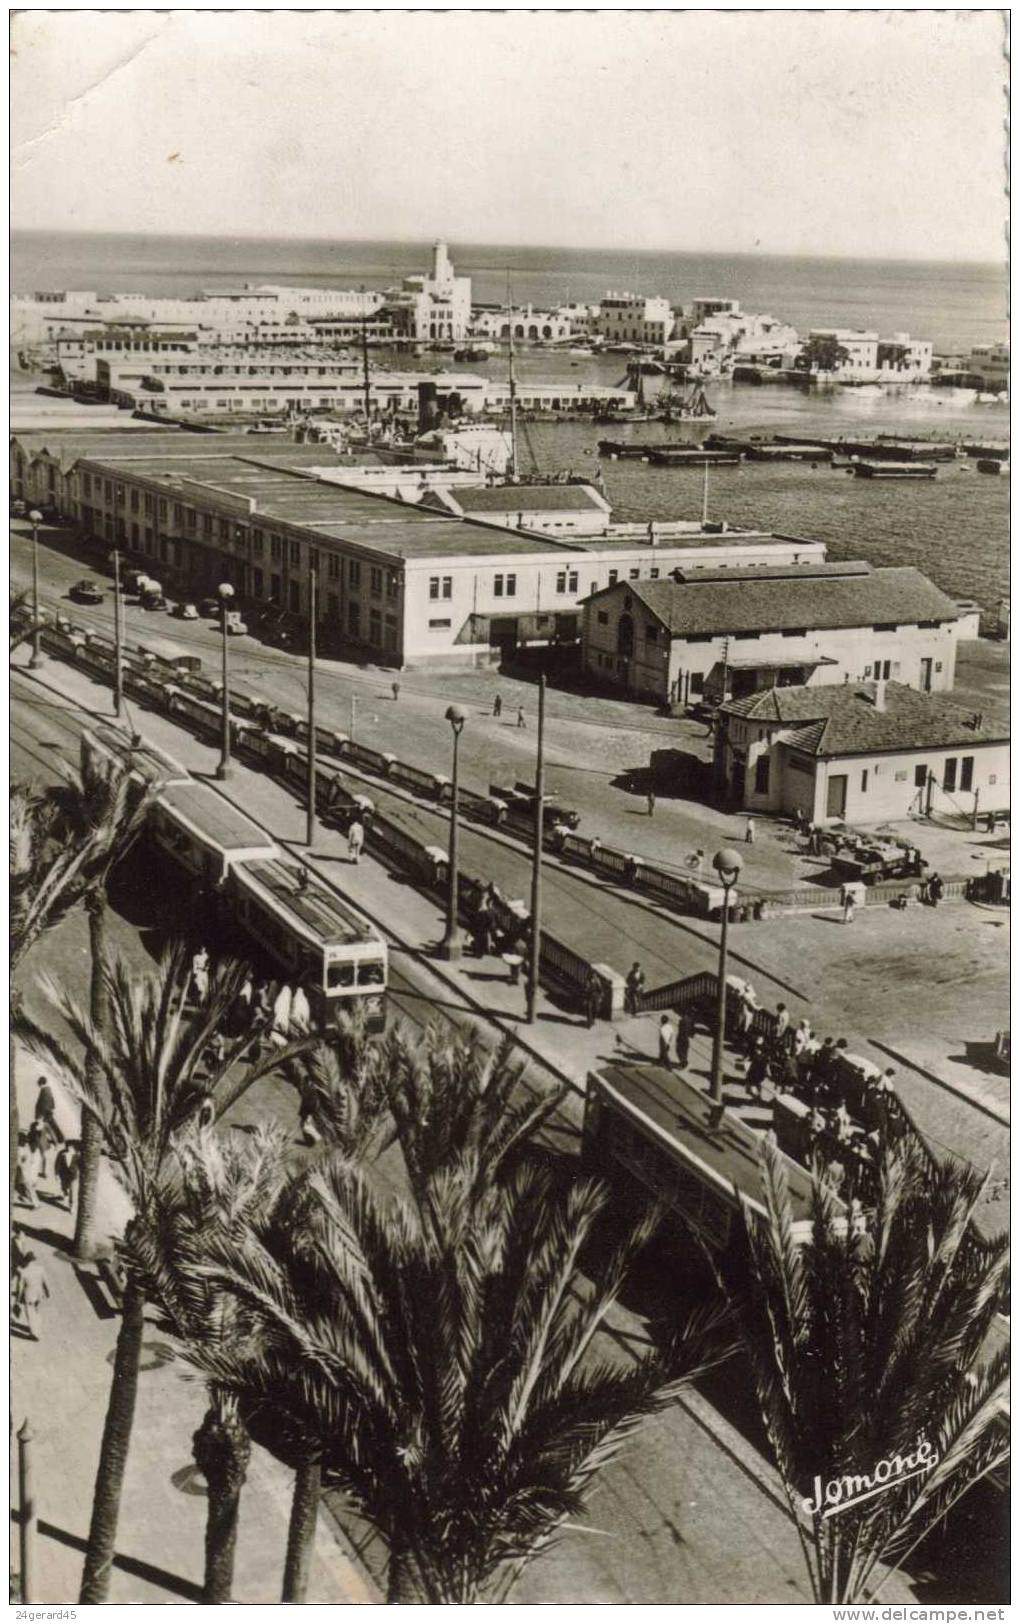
x=789 y=601
x=845 y=720
x=528 y=499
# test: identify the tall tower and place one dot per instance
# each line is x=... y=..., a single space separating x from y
x=442 y=270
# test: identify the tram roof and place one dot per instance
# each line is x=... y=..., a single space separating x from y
x=678 y=1114
x=215 y=818
x=315 y=906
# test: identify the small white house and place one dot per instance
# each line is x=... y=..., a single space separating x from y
x=861 y=752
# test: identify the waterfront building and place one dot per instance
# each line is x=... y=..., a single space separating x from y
x=693 y=637
x=405 y=584
x=48 y=316
x=867 y=358
x=432 y=306
x=635 y=317
x=990 y=364
x=735 y=335
x=529 y=325
x=860 y=752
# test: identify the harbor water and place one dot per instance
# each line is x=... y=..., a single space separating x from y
x=954 y=527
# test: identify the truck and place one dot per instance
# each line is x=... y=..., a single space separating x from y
x=872 y=860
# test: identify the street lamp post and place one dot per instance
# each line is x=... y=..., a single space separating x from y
x=727 y=864
x=452 y=943
x=225 y=592
x=35 y=520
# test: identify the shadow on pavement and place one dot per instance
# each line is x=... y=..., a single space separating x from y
x=146 y=1571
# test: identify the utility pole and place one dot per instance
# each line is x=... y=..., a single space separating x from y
x=26 y=1512
x=354 y=715
x=118 y=641
x=535 y=945
x=364 y=371
x=512 y=379
x=313 y=582
x=704 y=499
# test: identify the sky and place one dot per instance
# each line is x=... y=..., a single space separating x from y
x=867 y=134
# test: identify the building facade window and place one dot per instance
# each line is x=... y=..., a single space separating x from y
x=354 y=572
x=761 y=775
x=921 y=775
x=295 y=552
x=375 y=582
x=967 y=773
x=333 y=567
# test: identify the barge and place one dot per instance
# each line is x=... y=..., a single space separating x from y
x=893 y=470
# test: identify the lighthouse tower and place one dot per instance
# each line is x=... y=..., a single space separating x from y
x=442 y=269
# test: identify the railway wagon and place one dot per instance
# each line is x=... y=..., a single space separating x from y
x=203 y=717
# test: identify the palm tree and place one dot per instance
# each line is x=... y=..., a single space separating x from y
x=63 y=843
x=103 y=810
x=342 y=1088
x=443 y=1351
x=210 y=1185
x=867 y=1341
x=451 y=1098
x=145 y=1078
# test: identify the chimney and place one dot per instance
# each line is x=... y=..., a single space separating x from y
x=879 y=700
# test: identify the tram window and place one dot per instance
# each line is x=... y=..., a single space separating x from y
x=340 y=975
x=370 y=973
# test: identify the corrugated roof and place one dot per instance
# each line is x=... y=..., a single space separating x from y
x=843 y=719
x=526 y=499
x=901 y=596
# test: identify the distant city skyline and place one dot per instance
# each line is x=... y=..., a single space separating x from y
x=872 y=135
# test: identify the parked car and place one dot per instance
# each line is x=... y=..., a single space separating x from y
x=86 y=592
x=209 y=608
x=185 y=611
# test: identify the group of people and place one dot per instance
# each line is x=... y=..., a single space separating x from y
x=44 y=1139
x=492 y=930
x=497 y=711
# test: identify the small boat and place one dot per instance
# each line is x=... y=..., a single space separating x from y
x=991 y=465
x=887 y=469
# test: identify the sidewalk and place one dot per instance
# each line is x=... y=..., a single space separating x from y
x=61 y=1385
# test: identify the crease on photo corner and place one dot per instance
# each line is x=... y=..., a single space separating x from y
x=22 y=150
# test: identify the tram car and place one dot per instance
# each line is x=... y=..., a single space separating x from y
x=648 y=1130
x=204 y=717
x=153 y=765
x=299 y=922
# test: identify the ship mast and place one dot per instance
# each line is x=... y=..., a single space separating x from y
x=512 y=380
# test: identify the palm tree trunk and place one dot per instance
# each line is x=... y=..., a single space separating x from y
x=304 y=1512
x=222 y=1449
x=120 y=1415
x=91 y=1133
x=402 y=1587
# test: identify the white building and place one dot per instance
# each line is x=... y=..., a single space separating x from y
x=709 y=634
x=634 y=317
x=435 y=306
x=529 y=325
x=990 y=363
x=862 y=752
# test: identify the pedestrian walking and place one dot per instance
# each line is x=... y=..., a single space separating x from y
x=25 y=1173
x=355 y=841
x=281 y=1015
x=757 y=1068
x=849 y=904
x=520 y=717
x=46 y=1107
x=651 y=803
x=667 y=1039
x=592 y=999
x=497 y=706
x=634 y=988
x=32 y=1289
x=683 y=1041
x=481 y=935
x=749 y=832
x=395 y=686
x=66 y=1169
x=801 y=1036
x=41 y=1141
x=936 y=889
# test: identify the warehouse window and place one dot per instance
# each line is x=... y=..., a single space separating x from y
x=354 y=572
x=333 y=567
x=375 y=583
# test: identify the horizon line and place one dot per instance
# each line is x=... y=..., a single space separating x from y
x=467 y=243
